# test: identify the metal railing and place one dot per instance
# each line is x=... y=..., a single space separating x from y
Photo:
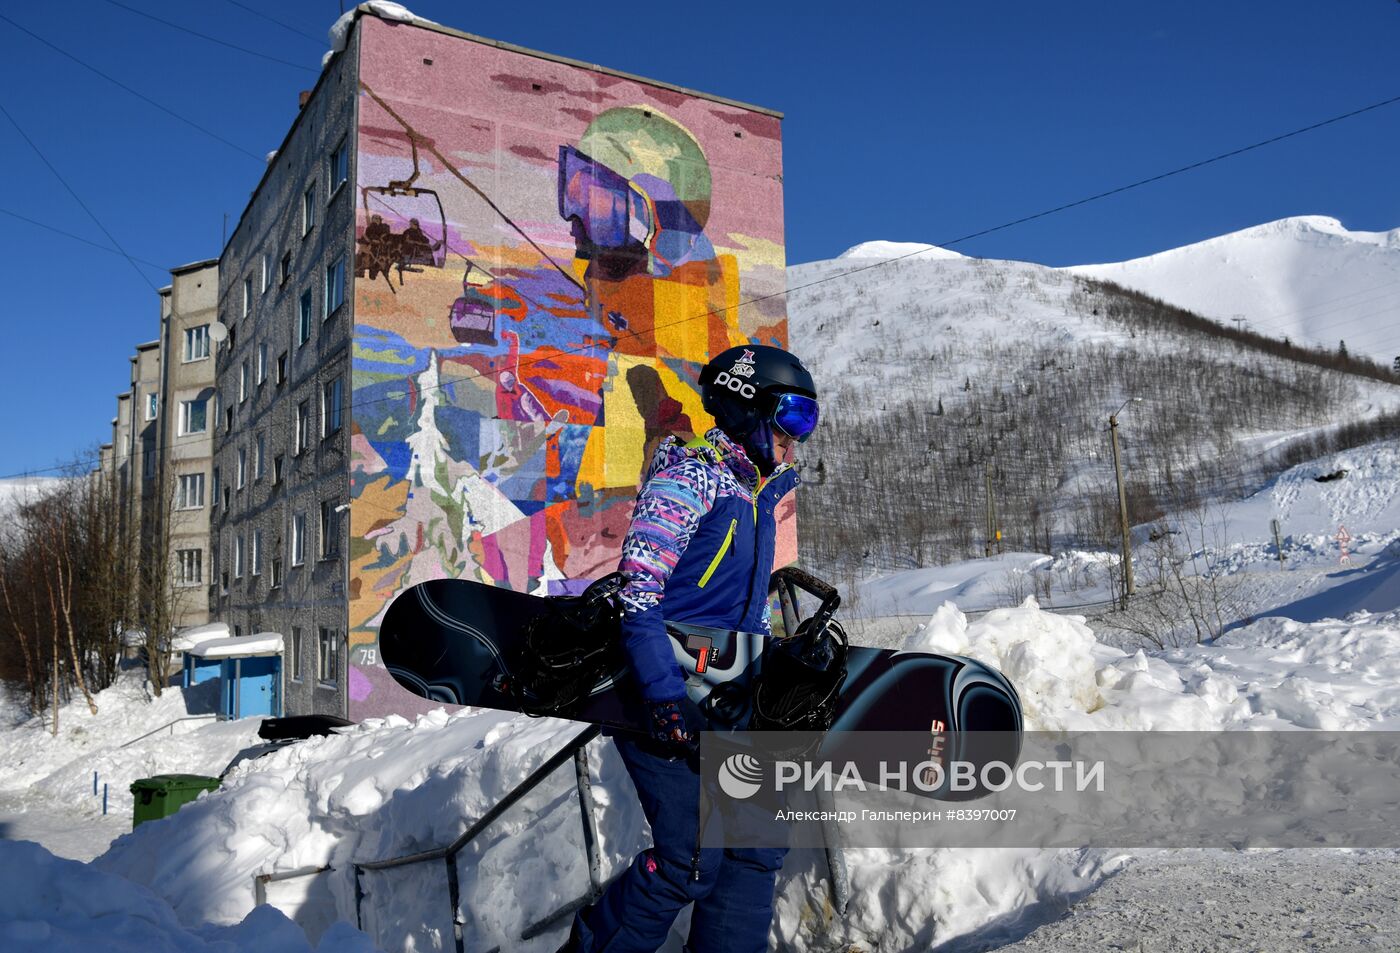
x=169 y=724
x=576 y=749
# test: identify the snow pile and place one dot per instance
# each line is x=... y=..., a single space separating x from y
x=339 y=33
x=59 y=769
x=1307 y=278
x=61 y=906
x=388 y=788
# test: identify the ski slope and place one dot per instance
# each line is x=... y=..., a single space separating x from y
x=1307 y=278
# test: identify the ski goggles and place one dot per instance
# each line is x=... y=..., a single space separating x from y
x=599 y=198
x=796 y=415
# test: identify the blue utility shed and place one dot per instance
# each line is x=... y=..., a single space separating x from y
x=196 y=669
x=250 y=674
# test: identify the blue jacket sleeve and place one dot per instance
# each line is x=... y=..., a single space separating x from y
x=669 y=508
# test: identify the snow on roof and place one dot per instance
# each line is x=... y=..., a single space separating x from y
x=339 y=33
x=187 y=639
x=259 y=643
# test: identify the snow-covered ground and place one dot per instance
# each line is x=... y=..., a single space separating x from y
x=1307 y=278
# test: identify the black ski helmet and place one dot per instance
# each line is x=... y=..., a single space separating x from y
x=740 y=387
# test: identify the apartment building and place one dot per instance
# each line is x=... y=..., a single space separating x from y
x=189 y=309
x=470 y=295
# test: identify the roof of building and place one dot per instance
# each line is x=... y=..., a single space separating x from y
x=240 y=646
x=195 y=266
x=187 y=639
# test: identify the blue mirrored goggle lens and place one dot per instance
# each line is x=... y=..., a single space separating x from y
x=796 y=415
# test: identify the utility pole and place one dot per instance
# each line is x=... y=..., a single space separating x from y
x=993 y=537
x=1122 y=500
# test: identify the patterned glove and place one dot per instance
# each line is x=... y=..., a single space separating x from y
x=677 y=724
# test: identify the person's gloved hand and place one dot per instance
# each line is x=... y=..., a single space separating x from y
x=677 y=724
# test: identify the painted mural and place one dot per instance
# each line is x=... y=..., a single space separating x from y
x=546 y=256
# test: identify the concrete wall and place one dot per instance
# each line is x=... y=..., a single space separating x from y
x=513 y=377
x=190 y=303
x=311 y=595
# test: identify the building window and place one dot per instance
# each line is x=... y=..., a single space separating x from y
x=262 y=363
x=327 y=656
x=238 y=556
x=285 y=271
x=225 y=499
x=242 y=467
x=191 y=567
x=304 y=318
x=247 y=296
x=277 y=469
x=330 y=407
x=303 y=425
x=296 y=653
x=330 y=530
x=190 y=494
x=215 y=487
x=228 y=420
x=339 y=166
x=280 y=374
x=152 y=405
x=335 y=286
x=197 y=343
x=243 y=382
x=192 y=416
x=257 y=552
x=298 y=539
x=308 y=210
x=266 y=271
x=276 y=581
x=259 y=464
x=150 y=459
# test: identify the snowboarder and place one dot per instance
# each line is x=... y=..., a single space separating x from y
x=700 y=550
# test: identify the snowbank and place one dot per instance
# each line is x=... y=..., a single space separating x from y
x=387 y=788
x=34 y=762
x=50 y=905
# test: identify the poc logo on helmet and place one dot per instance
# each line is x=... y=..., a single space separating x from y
x=737 y=385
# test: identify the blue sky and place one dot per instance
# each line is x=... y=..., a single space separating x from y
x=904 y=121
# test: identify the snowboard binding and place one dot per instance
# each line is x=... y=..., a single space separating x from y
x=570 y=651
x=800 y=682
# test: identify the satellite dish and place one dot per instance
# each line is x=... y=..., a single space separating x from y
x=218 y=332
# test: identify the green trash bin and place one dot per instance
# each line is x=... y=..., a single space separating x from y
x=164 y=794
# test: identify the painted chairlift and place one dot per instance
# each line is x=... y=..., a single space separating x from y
x=473 y=315
x=411 y=249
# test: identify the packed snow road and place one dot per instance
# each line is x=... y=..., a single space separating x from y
x=1208 y=901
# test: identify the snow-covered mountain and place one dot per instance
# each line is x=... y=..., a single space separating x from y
x=939 y=372
x=1308 y=279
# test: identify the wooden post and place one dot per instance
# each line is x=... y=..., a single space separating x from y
x=1122 y=510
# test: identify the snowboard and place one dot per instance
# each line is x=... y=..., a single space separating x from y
x=466 y=643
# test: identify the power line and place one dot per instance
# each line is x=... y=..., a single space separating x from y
x=76 y=238
x=888 y=261
x=986 y=231
x=141 y=96
x=272 y=19
x=110 y=237
x=212 y=39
